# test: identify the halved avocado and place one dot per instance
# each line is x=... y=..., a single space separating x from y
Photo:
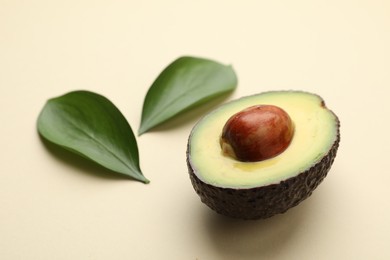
x=253 y=190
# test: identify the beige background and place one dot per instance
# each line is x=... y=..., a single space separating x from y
x=56 y=206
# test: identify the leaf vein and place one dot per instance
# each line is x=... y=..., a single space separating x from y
x=91 y=137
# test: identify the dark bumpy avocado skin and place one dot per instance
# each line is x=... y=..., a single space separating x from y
x=266 y=201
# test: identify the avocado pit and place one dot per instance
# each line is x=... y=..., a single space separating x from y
x=257 y=133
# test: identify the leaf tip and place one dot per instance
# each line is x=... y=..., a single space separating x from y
x=141 y=131
x=144 y=180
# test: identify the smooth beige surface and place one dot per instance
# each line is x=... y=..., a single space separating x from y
x=56 y=206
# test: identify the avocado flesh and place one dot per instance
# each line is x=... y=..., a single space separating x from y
x=262 y=189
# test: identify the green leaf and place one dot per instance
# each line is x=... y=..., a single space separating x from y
x=90 y=125
x=185 y=83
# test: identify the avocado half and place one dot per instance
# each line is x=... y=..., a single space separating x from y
x=254 y=190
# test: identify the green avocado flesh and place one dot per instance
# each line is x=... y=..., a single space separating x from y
x=220 y=179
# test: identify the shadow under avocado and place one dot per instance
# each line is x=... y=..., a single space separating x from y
x=191 y=115
x=254 y=239
x=80 y=163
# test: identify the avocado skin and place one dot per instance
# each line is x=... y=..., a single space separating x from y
x=265 y=201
